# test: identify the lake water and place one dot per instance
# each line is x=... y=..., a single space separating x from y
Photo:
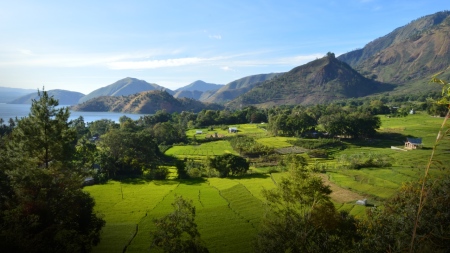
x=8 y=111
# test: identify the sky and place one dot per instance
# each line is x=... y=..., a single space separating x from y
x=85 y=45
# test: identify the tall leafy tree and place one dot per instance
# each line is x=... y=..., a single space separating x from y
x=125 y=153
x=177 y=231
x=301 y=218
x=43 y=208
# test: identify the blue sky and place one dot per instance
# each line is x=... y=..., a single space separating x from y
x=84 y=45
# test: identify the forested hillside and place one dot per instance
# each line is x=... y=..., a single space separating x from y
x=319 y=81
x=144 y=102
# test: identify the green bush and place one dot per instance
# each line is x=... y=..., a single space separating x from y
x=159 y=173
x=247 y=146
x=364 y=160
x=318 y=153
x=318 y=143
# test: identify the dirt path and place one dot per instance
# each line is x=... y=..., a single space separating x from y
x=339 y=194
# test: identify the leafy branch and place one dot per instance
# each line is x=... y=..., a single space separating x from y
x=441 y=134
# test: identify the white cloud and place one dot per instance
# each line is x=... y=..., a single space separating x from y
x=153 y=64
x=25 y=52
x=226 y=68
x=217 y=37
x=299 y=59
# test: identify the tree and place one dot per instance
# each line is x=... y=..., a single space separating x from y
x=125 y=153
x=229 y=163
x=102 y=126
x=301 y=218
x=43 y=208
x=177 y=231
x=168 y=133
x=350 y=124
x=80 y=127
x=45 y=132
x=181 y=169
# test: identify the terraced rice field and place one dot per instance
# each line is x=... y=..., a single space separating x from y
x=229 y=210
x=201 y=151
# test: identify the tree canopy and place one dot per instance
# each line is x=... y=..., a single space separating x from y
x=42 y=205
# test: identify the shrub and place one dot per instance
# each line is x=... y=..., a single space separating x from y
x=363 y=160
x=229 y=163
x=247 y=146
x=159 y=173
x=318 y=153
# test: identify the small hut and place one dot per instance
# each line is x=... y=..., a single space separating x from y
x=413 y=143
x=232 y=130
x=362 y=202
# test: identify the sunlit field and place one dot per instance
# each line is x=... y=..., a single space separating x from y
x=229 y=210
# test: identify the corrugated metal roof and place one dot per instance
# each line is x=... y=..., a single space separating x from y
x=416 y=141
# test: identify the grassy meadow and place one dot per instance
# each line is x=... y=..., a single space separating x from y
x=229 y=210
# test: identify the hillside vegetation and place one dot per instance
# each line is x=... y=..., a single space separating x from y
x=236 y=88
x=145 y=102
x=123 y=87
x=319 y=81
x=230 y=210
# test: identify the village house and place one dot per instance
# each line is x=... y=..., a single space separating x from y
x=362 y=202
x=413 y=143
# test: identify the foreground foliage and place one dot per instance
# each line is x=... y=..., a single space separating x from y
x=42 y=205
x=390 y=229
x=301 y=218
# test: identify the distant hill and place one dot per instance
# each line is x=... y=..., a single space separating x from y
x=147 y=102
x=8 y=94
x=409 y=55
x=65 y=97
x=123 y=87
x=319 y=81
x=200 y=85
x=236 y=88
x=194 y=94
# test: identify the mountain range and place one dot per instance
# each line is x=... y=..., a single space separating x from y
x=64 y=97
x=8 y=94
x=320 y=81
x=408 y=56
x=401 y=62
x=146 y=102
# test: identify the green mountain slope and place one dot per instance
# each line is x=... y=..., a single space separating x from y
x=65 y=97
x=236 y=88
x=147 y=102
x=319 y=81
x=123 y=87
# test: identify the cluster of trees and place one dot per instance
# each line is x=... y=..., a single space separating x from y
x=249 y=147
x=333 y=119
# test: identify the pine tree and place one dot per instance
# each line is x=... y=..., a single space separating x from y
x=44 y=208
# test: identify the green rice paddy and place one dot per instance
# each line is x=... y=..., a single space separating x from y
x=228 y=211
